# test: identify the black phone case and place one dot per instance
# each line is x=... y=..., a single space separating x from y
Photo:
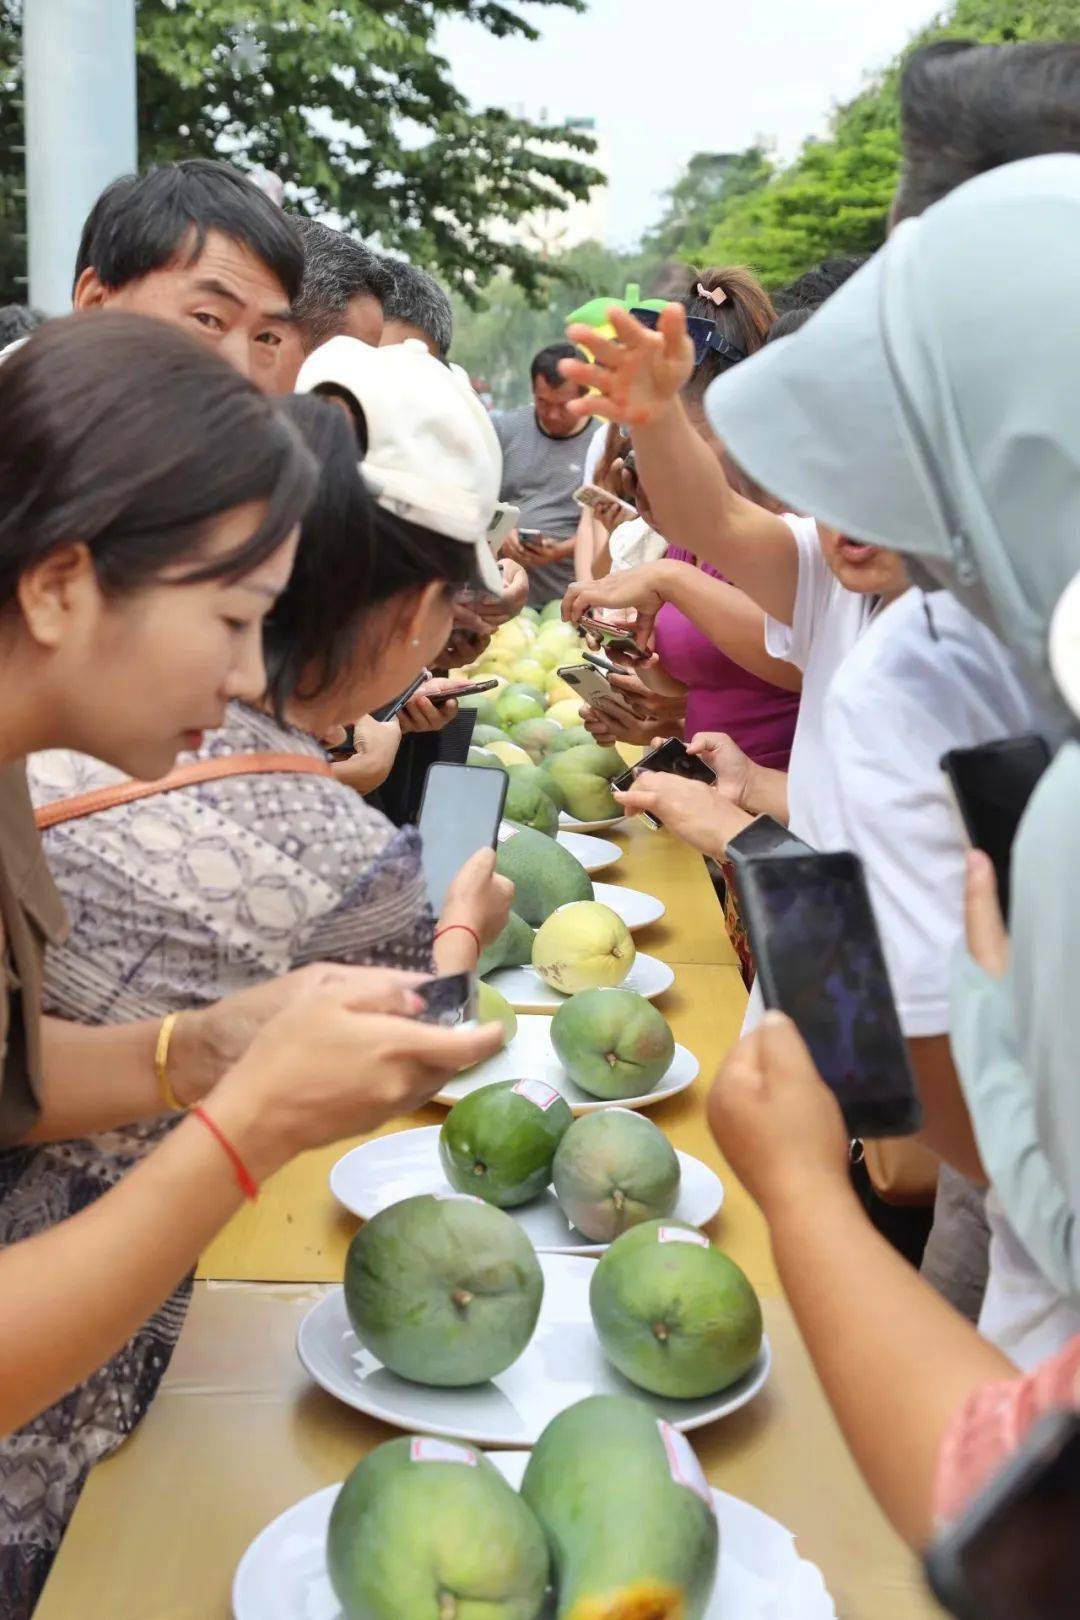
x=750 y=874
x=765 y=836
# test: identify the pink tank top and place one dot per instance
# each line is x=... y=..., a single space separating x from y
x=723 y=696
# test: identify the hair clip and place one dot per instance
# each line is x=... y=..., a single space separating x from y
x=715 y=295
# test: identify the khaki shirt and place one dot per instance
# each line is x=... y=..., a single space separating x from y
x=32 y=915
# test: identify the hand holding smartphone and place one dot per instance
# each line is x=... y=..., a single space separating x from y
x=462 y=689
x=672 y=757
x=451 y=1001
x=613 y=637
x=993 y=784
x=459 y=814
x=591 y=496
x=819 y=959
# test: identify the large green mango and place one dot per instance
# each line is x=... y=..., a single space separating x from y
x=498 y=1142
x=544 y=874
x=513 y=948
x=673 y=1314
x=612 y=1042
x=613 y=1170
x=429 y=1530
x=445 y=1291
x=628 y=1515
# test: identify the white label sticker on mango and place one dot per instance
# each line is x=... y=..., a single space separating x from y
x=535 y=1091
x=682 y=1462
x=505 y=832
x=680 y=1234
x=422 y=1449
x=456 y=1198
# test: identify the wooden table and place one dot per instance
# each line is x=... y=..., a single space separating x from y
x=238 y=1432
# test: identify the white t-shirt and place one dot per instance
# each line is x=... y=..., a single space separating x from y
x=924 y=678
x=827 y=622
x=631 y=543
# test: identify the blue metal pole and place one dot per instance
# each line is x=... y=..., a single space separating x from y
x=79 y=59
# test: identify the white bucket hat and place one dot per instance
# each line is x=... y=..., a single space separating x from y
x=433 y=456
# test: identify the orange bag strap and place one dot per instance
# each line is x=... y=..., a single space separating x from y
x=204 y=770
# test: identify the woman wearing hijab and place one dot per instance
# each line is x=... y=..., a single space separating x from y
x=969 y=465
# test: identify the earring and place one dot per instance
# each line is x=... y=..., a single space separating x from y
x=416 y=641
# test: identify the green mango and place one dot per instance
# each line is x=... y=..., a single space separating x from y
x=612 y=1042
x=535 y=736
x=589 y=798
x=429 y=1530
x=570 y=737
x=613 y=1170
x=628 y=1515
x=486 y=761
x=482 y=735
x=531 y=614
x=494 y=1008
x=544 y=874
x=445 y=1291
x=551 y=611
x=528 y=804
x=589 y=759
x=499 y=1142
x=518 y=702
x=483 y=705
x=673 y=1314
x=513 y=948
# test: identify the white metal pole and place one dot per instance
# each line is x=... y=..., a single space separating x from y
x=79 y=59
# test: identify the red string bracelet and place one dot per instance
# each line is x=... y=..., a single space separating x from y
x=465 y=930
x=245 y=1180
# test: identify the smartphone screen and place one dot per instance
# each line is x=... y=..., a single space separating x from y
x=1015 y=1553
x=389 y=710
x=460 y=813
x=614 y=639
x=765 y=836
x=670 y=756
x=450 y=1001
x=819 y=960
x=993 y=784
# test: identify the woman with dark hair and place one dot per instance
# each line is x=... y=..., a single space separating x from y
x=709 y=637
x=149 y=506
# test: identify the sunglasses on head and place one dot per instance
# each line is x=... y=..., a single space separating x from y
x=704 y=335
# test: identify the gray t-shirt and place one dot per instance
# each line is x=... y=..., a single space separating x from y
x=540 y=475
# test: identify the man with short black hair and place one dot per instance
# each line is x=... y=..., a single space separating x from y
x=198 y=244
x=543 y=462
x=344 y=290
x=416 y=307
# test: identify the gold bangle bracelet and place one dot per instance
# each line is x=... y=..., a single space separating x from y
x=161 y=1064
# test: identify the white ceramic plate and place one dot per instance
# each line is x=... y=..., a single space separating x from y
x=595 y=854
x=283 y=1576
x=570 y=823
x=405 y=1164
x=562 y=1365
x=525 y=989
x=531 y=1056
x=636 y=908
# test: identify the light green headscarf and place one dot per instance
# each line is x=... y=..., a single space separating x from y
x=933 y=405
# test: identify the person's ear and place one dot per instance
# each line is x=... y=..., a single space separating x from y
x=52 y=592
x=90 y=291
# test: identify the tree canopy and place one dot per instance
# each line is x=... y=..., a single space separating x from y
x=351 y=105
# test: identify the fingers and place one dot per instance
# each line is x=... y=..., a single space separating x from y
x=452 y=1049
x=610 y=352
x=479 y=867
x=636 y=799
x=987 y=938
x=672 y=330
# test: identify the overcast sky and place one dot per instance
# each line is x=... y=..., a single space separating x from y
x=668 y=78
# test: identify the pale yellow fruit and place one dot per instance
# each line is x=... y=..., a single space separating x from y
x=530 y=672
x=509 y=753
x=565 y=712
x=559 y=691
x=583 y=946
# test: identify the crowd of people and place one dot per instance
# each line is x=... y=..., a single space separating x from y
x=245 y=502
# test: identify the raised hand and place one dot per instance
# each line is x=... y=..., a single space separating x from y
x=638 y=373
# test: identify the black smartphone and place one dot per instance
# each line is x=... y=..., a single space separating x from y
x=1015 y=1553
x=450 y=1001
x=765 y=836
x=604 y=664
x=389 y=710
x=615 y=639
x=670 y=756
x=532 y=539
x=465 y=689
x=459 y=814
x=993 y=784
x=819 y=959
